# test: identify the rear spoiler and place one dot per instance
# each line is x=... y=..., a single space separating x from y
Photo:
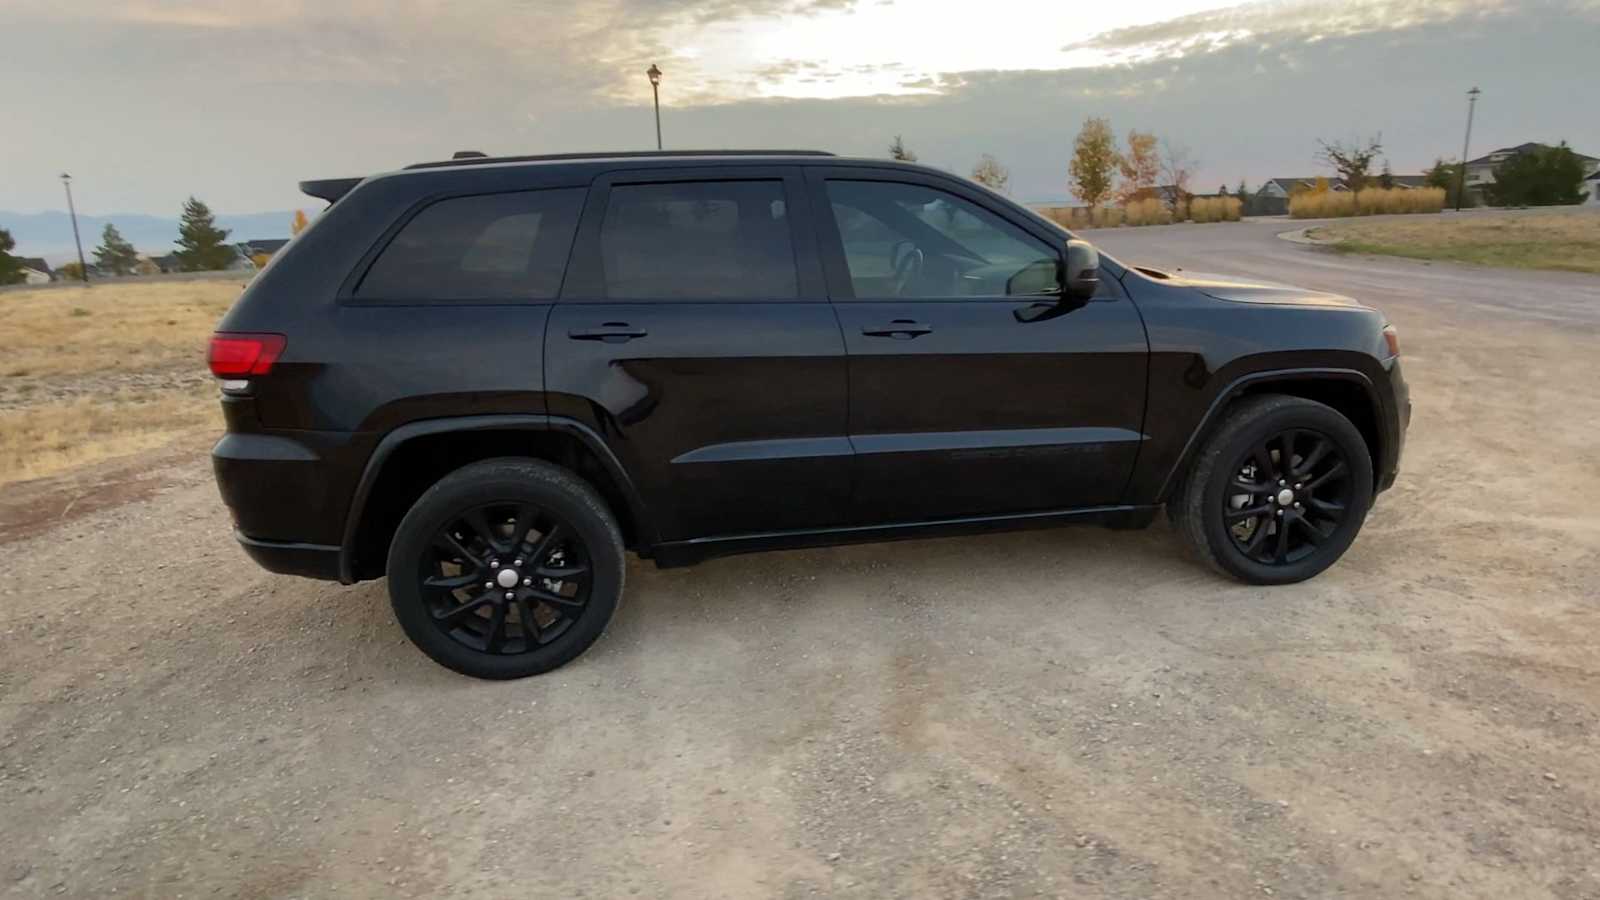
x=329 y=189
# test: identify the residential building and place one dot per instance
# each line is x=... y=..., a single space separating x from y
x=1480 y=171
x=35 y=270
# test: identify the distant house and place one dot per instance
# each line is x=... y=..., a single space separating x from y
x=1480 y=171
x=1592 y=184
x=169 y=263
x=261 y=247
x=1272 y=198
x=1409 y=182
x=35 y=270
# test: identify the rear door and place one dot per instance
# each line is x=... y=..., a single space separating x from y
x=973 y=390
x=694 y=334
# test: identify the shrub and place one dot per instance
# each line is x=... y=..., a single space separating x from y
x=1215 y=209
x=1370 y=202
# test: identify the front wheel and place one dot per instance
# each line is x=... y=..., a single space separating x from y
x=506 y=568
x=1278 y=492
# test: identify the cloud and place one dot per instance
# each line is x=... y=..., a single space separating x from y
x=1308 y=20
x=186 y=98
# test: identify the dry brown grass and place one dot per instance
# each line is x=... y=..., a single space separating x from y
x=1370 y=202
x=1148 y=211
x=115 y=368
x=1215 y=209
x=53 y=437
x=1568 y=241
x=111 y=326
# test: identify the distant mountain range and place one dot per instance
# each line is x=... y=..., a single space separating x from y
x=49 y=234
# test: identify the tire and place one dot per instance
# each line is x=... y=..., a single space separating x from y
x=1237 y=505
x=564 y=557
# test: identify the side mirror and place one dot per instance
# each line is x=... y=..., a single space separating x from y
x=1082 y=277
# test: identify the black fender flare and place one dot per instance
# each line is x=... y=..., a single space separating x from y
x=529 y=422
x=1235 y=387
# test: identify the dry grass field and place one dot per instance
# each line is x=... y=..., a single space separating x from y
x=114 y=368
x=1567 y=241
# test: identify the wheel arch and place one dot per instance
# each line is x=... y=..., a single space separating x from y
x=1349 y=391
x=414 y=456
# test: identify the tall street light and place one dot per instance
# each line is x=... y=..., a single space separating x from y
x=655 y=88
x=1461 y=184
x=83 y=270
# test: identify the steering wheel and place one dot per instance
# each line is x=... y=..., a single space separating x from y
x=907 y=267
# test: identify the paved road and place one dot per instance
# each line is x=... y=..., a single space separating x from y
x=1253 y=248
x=1076 y=713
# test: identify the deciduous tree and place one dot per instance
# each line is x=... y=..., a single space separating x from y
x=300 y=222
x=1447 y=175
x=200 y=241
x=1140 y=166
x=1094 y=161
x=1177 y=170
x=115 y=255
x=1351 y=160
x=991 y=174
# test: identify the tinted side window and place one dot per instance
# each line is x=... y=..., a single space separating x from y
x=906 y=240
x=489 y=247
x=701 y=239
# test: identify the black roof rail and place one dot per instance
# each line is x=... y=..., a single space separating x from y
x=462 y=159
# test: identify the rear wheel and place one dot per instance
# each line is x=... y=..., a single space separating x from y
x=1278 y=492
x=506 y=568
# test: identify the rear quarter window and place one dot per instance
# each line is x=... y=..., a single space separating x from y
x=490 y=247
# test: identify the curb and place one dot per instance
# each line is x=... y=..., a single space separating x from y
x=1299 y=236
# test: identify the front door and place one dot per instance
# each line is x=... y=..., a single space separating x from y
x=973 y=390
x=694 y=335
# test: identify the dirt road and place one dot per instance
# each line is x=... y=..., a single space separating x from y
x=1076 y=713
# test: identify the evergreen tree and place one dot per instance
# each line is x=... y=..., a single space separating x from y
x=1545 y=176
x=115 y=255
x=10 y=266
x=898 y=150
x=1244 y=198
x=200 y=241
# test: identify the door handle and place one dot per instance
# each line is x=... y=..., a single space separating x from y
x=899 y=329
x=610 y=332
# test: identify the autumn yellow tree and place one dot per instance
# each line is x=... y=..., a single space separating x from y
x=1094 y=161
x=1140 y=165
x=300 y=222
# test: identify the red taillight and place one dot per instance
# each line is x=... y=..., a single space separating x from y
x=232 y=355
x=1392 y=338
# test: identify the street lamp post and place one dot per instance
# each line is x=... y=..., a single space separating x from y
x=83 y=270
x=655 y=89
x=1461 y=183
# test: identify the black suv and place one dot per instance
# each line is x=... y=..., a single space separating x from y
x=486 y=378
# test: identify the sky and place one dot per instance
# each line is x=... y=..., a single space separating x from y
x=145 y=102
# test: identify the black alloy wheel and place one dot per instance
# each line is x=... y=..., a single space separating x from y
x=506 y=568
x=1288 y=496
x=1277 y=492
x=505 y=578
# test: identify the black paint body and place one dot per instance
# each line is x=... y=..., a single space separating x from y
x=725 y=426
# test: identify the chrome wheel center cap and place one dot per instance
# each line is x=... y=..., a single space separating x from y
x=507 y=578
x=1285 y=497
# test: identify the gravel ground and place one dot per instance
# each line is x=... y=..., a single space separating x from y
x=1078 y=713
